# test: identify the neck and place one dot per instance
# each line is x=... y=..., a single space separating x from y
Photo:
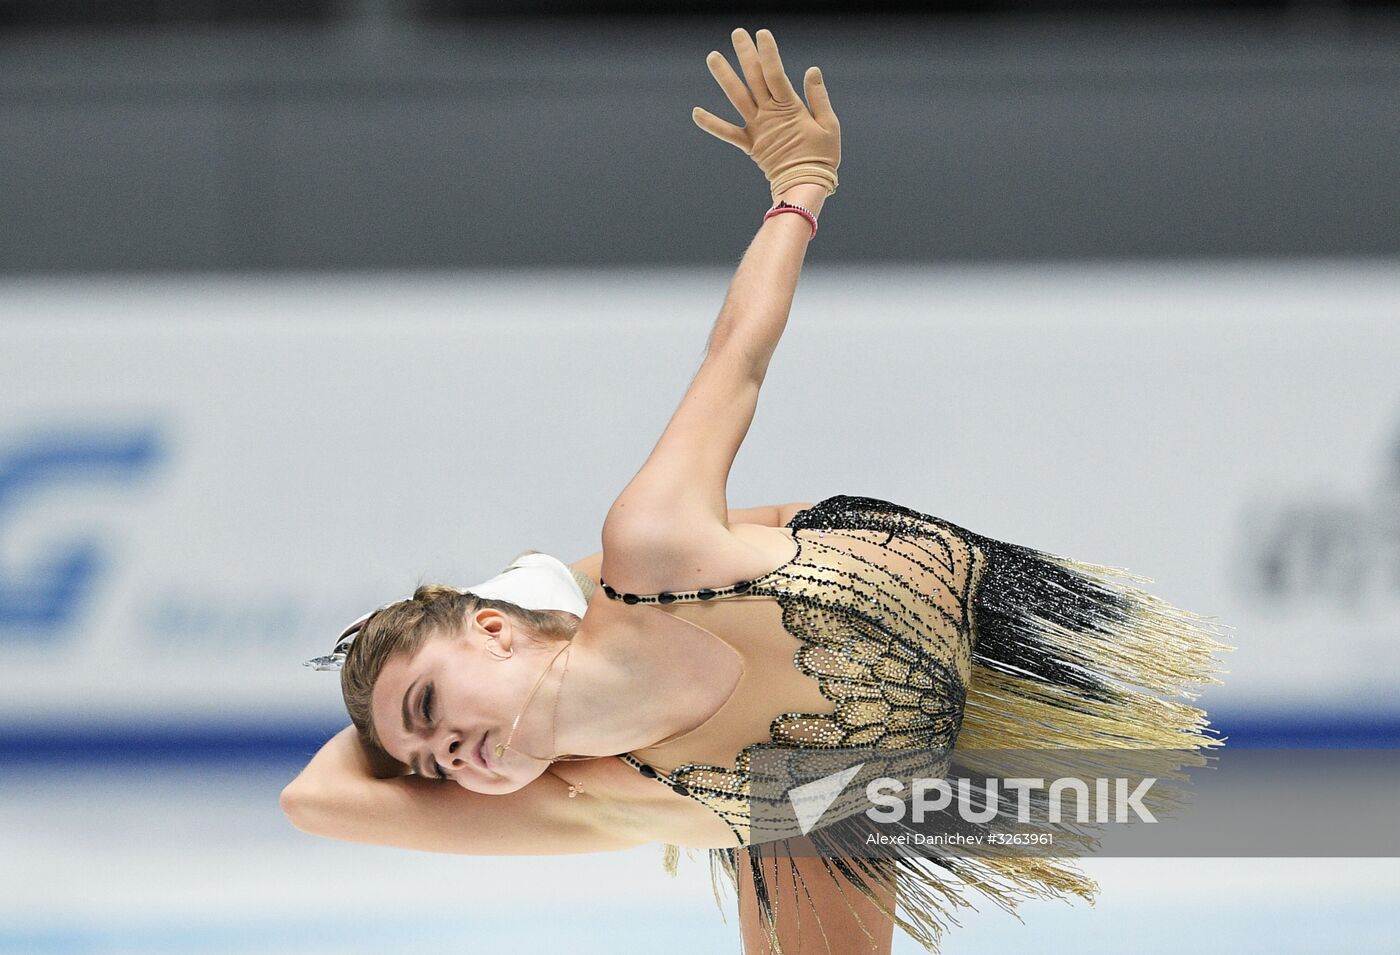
x=616 y=694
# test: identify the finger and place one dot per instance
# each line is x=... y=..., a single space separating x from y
x=772 y=65
x=748 y=60
x=715 y=126
x=733 y=87
x=818 y=102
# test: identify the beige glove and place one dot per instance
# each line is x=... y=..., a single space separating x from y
x=790 y=144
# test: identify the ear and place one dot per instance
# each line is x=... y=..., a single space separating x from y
x=494 y=627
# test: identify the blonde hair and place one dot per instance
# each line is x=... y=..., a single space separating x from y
x=404 y=627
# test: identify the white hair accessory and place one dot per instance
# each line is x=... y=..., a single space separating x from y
x=533 y=580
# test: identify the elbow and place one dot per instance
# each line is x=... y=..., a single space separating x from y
x=298 y=806
x=641 y=526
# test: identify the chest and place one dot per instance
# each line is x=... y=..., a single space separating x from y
x=699 y=789
x=771 y=690
x=771 y=682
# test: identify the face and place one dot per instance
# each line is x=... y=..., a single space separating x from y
x=454 y=691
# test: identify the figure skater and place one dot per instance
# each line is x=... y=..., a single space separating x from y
x=624 y=699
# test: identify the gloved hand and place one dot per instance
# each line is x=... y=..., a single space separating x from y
x=789 y=143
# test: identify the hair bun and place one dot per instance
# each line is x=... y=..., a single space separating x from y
x=428 y=593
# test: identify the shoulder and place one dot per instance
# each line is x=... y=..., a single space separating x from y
x=652 y=562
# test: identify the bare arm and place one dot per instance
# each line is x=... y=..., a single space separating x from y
x=338 y=796
x=756 y=308
x=689 y=466
x=772 y=515
x=669 y=528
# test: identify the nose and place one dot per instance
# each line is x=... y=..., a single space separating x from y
x=451 y=751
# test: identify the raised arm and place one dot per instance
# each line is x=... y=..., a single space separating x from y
x=679 y=493
x=342 y=794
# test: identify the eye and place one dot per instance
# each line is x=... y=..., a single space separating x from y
x=427 y=710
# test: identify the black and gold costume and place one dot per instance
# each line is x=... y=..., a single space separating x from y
x=919 y=634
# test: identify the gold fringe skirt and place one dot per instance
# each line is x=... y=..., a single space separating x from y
x=1066 y=655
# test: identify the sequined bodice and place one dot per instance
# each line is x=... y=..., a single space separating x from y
x=919 y=634
x=868 y=643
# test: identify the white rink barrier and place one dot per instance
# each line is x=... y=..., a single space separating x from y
x=203 y=479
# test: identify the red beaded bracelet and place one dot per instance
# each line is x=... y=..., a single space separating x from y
x=789 y=207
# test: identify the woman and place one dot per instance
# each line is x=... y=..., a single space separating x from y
x=702 y=639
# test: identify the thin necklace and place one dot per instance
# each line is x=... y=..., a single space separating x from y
x=502 y=747
x=574 y=788
x=558 y=692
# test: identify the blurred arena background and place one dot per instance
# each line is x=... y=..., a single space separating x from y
x=304 y=302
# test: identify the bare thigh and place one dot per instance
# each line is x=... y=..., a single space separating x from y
x=815 y=914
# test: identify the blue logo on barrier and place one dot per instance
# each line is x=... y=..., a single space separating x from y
x=45 y=597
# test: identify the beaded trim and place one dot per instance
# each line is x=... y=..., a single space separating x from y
x=651 y=772
x=704 y=593
x=670 y=782
x=670 y=597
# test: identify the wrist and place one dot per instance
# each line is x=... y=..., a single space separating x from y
x=782 y=209
x=808 y=196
